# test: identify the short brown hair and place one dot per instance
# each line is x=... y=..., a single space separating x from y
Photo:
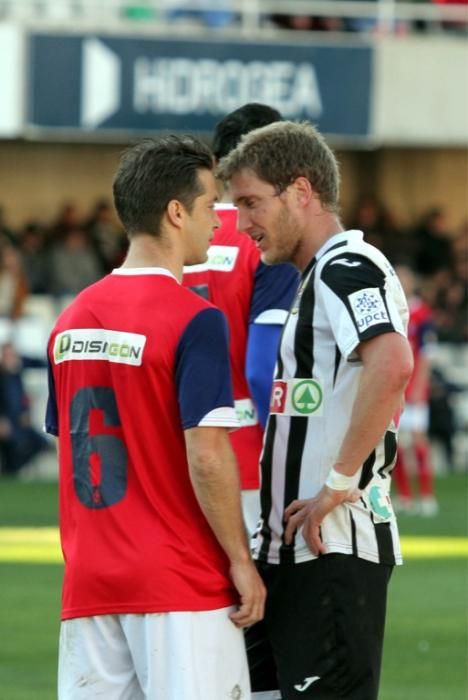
x=283 y=151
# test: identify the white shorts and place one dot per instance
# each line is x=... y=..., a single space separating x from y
x=415 y=418
x=159 y=656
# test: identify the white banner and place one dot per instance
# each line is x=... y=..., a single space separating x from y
x=12 y=77
x=421 y=91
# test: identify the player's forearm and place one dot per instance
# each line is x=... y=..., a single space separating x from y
x=215 y=480
x=387 y=366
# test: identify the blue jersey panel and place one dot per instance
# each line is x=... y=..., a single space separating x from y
x=203 y=374
x=426 y=333
x=51 y=419
x=275 y=288
x=262 y=349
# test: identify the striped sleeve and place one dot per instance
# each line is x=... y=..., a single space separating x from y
x=357 y=301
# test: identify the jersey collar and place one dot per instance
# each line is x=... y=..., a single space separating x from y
x=339 y=238
x=144 y=271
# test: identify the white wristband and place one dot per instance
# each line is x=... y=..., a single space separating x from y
x=340 y=482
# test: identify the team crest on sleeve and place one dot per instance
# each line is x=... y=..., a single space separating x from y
x=99 y=344
x=368 y=308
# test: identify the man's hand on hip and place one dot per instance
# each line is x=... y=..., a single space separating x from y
x=309 y=514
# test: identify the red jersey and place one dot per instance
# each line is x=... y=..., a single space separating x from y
x=420 y=334
x=236 y=281
x=127 y=360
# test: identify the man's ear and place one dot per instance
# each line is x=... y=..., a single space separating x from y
x=175 y=213
x=303 y=190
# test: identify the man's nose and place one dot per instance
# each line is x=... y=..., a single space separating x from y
x=217 y=220
x=243 y=221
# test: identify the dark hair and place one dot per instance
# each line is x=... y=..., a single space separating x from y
x=153 y=173
x=229 y=130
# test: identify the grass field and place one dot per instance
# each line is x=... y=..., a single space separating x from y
x=427 y=632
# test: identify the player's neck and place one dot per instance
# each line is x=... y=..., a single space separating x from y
x=320 y=229
x=147 y=251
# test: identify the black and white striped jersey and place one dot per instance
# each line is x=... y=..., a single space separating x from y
x=349 y=293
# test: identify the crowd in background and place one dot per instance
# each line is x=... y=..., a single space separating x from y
x=58 y=259
x=61 y=257
x=335 y=23
x=437 y=255
x=224 y=14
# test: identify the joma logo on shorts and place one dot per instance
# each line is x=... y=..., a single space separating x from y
x=306 y=684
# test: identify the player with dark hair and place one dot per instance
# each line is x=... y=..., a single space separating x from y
x=255 y=299
x=157 y=562
x=234 y=125
x=328 y=539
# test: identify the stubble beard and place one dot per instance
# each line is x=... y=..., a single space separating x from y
x=288 y=241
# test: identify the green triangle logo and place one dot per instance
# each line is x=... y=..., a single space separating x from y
x=307 y=396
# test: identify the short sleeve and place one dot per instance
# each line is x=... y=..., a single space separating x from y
x=274 y=290
x=51 y=419
x=203 y=376
x=357 y=300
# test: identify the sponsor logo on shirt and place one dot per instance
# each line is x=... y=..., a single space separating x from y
x=245 y=412
x=296 y=397
x=368 y=308
x=380 y=503
x=221 y=258
x=99 y=344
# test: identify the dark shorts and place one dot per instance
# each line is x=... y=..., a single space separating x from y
x=322 y=634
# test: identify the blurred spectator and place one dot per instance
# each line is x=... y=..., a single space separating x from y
x=456 y=26
x=13 y=283
x=381 y=21
x=460 y=252
x=414 y=422
x=67 y=219
x=107 y=238
x=212 y=14
x=6 y=233
x=34 y=257
x=301 y=22
x=363 y=24
x=449 y=292
x=433 y=246
x=451 y=308
x=73 y=263
x=442 y=420
x=139 y=11
x=308 y=22
x=372 y=23
x=19 y=441
x=373 y=218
